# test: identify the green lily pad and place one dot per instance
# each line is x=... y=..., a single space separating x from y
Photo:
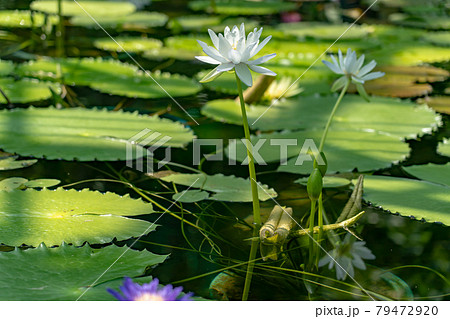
x=135 y=21
x=225 y=188
x=42 y=182
x=438 y=38
x=409 y=53
x=113 y=77
x=26 y=90
x=65 y=272
x=190 y=196
x=82 y=134
x=408 y=197
x=9 y=184
x=345 y=150
x=444 y=147
x=12 y=183
x=328 y=181
x=11 y=162
x=235 y=7
x=325 y=31
x=194 y=22
x=52 y=216
x=127 y=44
x=389 y=34
x=6 y=67
x=312 y=112
x=425 y=21
x=431 y=172
x=94 y=8
x=23 y=19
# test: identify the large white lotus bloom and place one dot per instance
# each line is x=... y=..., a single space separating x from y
x=233 y=51
x=352 y=69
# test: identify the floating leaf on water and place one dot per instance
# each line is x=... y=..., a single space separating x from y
x=82 y=134
x=113 y=77
x=435 y=173
x=79 y=8
x=225 y=188
x=135 y=21
x=23 y=19
x=26 y=90
x=325 y=31
x=6 y=67
x=190 y=196
x=400 y=195
x=328 y=181
x=312 y=112
x=128 y=44
x=440 y=104
x=345 y=150
x=441 y=38
x=49 y=275
x=9 y=184
x=236 y=7
x=11 y=162
x=194 y=22
x=42 y=182
x=53 y=216
x=409 y=53
x=424 y=21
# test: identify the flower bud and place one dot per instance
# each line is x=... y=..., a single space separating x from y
x=314 y=185
x=321 y=163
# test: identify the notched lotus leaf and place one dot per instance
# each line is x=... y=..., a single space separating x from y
x=26 y=90
x=79 y=8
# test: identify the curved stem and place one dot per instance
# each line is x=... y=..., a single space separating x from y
x=311 y=233
x=325 y=132
x=254 y=185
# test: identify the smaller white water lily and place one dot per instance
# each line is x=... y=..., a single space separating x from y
x=352 y=69
x=285 y=87
x=346 y=255
x=233 y=50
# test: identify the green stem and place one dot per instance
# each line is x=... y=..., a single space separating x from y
x=60 y=32
x=256 y=210
x=325 y=132
x=311 y=233
x=320 y=224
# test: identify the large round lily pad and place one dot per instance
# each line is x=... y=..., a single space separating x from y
x=23 y=19
x=113 y=77
x=135 y=21
x=52 y=216
x=83 y=134
x=431 y=172
x=310 y=112
x=127 y=44
x=409 y=53
x=325 y=31
x=444 y=147
x=68 y=273
x=236 y=7
x=26 y=90
x=345 y=150
x=78 y=8
x=225 y=188
x=408 y=197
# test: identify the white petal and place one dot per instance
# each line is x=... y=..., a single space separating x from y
x=367 y=68
x=341 y=59
x=224 y=46
x=214 y=38
x=360 y=62
x=357 y=79
x=332 y=67
x=262 y=70
x=262 y=59
x=212 y=52
x=242 y=30
x=372 y=76
x=350 y=60
x=246 y=55
x=260 y=46
x=207 y=59
x=211 y=76
x=234 y=56
x=244 y=74
x=225 y=67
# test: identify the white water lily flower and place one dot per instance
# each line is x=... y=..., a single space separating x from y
x=353 y=69
x=233 y=51
x=346 y=255
x=282 y=88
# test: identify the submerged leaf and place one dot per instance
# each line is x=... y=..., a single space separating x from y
x=11 y=162
x=431 y=172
